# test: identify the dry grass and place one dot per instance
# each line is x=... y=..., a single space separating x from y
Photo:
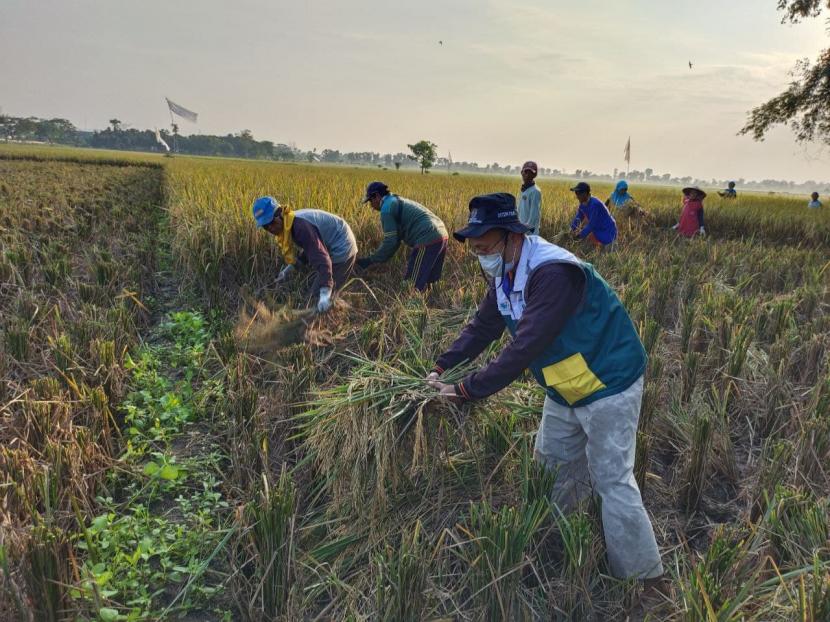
x=75 y=262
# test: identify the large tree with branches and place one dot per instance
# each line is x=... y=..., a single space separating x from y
x=805 y=105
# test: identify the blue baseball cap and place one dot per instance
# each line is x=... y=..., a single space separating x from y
x=581 y=187
x=491 y=211
x=264 y=210
x=376 y=187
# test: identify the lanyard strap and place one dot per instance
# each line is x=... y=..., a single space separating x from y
x=507 y=284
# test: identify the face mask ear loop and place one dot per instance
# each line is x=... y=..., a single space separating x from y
x=513 y=261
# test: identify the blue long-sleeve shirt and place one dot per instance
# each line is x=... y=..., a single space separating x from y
x=599 y=221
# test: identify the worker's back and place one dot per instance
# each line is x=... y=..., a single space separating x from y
x=334 y=231
x=416 y=224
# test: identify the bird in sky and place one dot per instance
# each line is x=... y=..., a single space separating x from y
x=690 y=65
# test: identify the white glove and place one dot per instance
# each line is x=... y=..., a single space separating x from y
x=285 y=273
x=324 y=304
x=702 y=232
x=432 y=379
x=448 y=391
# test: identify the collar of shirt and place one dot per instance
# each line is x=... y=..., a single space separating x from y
x=519 y=273
x=526 y=186
x=386 y=203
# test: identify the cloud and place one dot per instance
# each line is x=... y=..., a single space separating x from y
x=716 y=87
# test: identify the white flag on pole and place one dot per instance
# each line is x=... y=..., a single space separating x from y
x=181 y=111
x=161 y=141
x=628 y=150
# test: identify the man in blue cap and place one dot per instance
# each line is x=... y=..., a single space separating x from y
x=326 y=242
x=570 y=329
x=413 y=224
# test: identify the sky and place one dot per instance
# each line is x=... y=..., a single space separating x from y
x=562 y=83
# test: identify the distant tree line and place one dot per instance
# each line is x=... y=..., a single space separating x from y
x=244 y=145
x=58 y=131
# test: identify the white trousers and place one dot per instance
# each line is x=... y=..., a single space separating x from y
x=595 y=444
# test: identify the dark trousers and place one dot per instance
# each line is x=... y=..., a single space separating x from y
x=340 y=272
x=426 y=263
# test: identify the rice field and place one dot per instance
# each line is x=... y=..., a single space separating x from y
x=182 y=441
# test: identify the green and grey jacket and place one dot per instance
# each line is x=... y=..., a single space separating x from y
x=408 y=222
x=573 y=334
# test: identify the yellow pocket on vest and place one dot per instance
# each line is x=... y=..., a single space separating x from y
x=572 y=378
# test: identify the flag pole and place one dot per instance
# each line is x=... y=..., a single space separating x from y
x=172 y=129
x=628 y=157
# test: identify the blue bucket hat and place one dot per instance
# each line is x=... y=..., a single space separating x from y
x=491 y=211
x=376 y=187
x=264 y=210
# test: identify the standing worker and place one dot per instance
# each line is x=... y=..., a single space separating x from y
x=326 y=242
x=592 y=222
x=406 y=221
x=691 y=218
x=530 y=201
x=570 y=329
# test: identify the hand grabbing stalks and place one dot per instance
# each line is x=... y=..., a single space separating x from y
x=445 y=390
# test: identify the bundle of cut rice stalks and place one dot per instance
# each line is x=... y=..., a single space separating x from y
x=383 y=432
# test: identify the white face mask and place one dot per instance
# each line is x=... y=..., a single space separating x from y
x=492 y=264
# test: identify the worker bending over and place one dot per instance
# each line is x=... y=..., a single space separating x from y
x=326 y=242
x=570 y=329
x=413 y=224
x=592 y=222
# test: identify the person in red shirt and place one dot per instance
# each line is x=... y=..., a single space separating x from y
x=691 y=218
